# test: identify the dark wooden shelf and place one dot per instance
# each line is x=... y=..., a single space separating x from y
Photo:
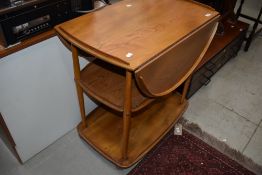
x=232 y=31
x=222 y=49
x=106 y=83
x=104 y=131
x=26 y=43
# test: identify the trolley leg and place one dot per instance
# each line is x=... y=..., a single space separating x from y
x=79 y=89
x=185 y=89
x=127 y=115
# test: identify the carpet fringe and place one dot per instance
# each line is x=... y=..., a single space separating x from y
x=237 y=156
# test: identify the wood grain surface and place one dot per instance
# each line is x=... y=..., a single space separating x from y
x=106 y=83
x=144 y=37
x=147 y=128
x=140 y=29
x=165 y=73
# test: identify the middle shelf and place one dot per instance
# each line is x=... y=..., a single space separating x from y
x=106 y=84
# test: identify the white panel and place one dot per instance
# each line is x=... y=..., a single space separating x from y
x=37 y=95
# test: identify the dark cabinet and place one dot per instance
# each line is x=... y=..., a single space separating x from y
x=222 y=49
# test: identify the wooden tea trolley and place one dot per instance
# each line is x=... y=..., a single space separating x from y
x=144 y=50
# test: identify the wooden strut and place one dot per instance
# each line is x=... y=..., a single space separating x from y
x=79 y=89
x=127 y=114
x=185 y=89
x=9 y=137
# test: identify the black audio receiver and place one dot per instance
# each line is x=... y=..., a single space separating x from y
x=30 y=17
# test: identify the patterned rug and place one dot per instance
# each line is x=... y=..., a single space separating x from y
x=186 y=155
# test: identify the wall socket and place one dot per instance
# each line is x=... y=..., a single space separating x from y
x=178 y=129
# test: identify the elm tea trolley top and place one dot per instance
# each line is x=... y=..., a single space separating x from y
x=144 y=50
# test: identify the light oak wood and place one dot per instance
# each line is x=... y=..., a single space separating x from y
x=185 y=89
x=127 y=115
x=106 y=83
x=167 y=71
x=151 y=43
x=79 y=89
x=105 y=127
x=145 y=29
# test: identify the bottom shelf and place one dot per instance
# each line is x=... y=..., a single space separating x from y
x=104 y=131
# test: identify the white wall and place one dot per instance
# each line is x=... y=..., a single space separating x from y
x=37 y=95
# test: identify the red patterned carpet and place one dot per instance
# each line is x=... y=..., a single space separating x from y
x=186 y=155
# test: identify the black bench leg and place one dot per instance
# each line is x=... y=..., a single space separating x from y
x=107 y=1
x=253 y=32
